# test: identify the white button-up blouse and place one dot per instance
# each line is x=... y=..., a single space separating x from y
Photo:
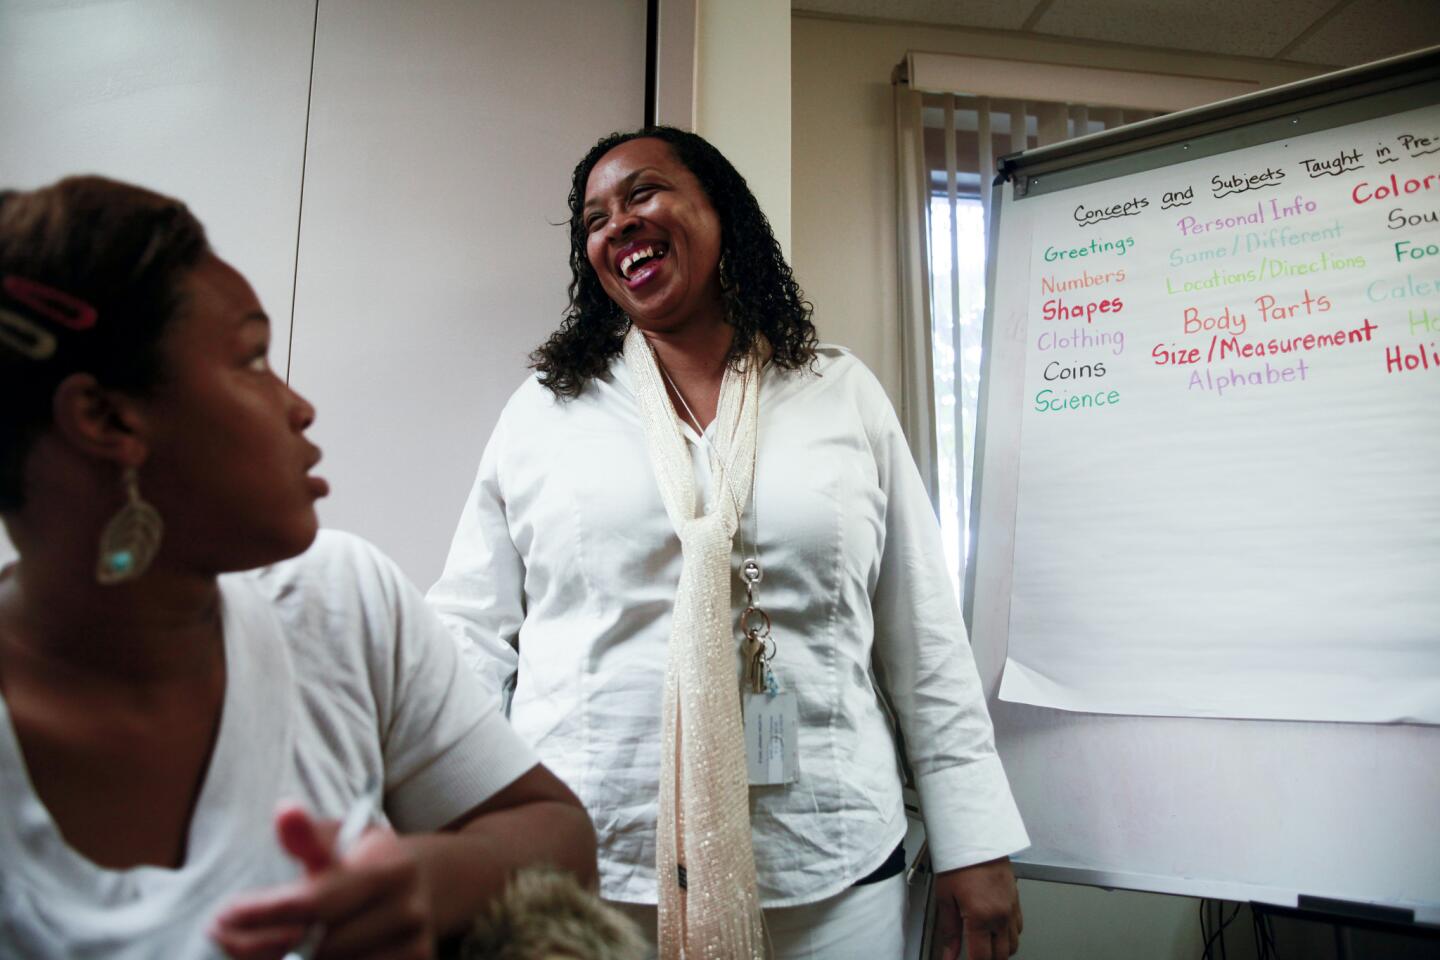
x=562 y=575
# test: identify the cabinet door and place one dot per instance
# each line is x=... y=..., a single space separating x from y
x=201 y=100
x=433 y=251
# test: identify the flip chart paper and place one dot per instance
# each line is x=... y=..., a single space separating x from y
x=1229 y=499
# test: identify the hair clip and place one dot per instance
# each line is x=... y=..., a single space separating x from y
x=57 y=305
x=25 y=337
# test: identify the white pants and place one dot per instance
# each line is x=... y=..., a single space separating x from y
x=861 y=923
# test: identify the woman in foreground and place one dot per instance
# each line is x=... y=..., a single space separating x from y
x=179 y=653
x=692 y=536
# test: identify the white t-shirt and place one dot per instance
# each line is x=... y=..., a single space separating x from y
x=562 y=575
x=336 y=671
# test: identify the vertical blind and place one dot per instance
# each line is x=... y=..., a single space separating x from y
x=946 y=150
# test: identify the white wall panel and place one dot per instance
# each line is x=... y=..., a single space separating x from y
x=201 y=99
x=442 y=135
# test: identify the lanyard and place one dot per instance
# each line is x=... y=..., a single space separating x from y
x=757 y=647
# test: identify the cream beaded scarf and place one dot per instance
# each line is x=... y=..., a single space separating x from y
x=704 y=822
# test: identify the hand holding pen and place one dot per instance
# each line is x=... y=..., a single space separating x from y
x=362 y=895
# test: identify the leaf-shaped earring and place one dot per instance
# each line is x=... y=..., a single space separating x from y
x=131 y=538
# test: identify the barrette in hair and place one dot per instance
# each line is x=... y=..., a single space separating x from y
x=25 y=336
x=55 y=305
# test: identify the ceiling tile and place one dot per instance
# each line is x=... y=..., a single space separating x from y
x=1250 y=28
x=995 y=14
x=1372 y=30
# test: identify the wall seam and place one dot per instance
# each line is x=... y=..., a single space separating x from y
x=300 y=212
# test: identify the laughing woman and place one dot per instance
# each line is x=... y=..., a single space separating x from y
x=177 y=656
x=695 y=520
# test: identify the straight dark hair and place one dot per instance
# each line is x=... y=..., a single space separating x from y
x=119 y=251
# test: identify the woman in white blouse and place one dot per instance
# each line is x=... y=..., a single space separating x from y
x=686 y=438
x=179 y=653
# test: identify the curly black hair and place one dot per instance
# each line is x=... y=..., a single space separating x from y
x=760 y=292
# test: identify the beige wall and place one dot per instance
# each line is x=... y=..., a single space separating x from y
x=843 y=157
x=742 y=96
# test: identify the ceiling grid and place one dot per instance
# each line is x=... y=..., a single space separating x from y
x=1326 y=33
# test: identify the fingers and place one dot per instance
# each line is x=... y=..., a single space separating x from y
x=395 y=934
x=290 y=905
x=270 y=943
x=947 y=928
x=987 y=899
x=992 y=932
x=1017 y=923
x=1003 y=934
x=372 y=904
x=305 y=838
x=980 y=943
x=329 y=897
x=393 y=922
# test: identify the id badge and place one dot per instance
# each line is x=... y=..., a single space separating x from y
x=772 y=738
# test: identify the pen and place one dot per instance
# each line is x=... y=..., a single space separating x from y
x=357 y=818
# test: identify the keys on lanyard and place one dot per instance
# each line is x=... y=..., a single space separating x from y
x=756 y=646
x=772 y=716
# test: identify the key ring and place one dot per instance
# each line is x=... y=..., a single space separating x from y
x=759 y=632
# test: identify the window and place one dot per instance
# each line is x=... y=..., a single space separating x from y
x=962 y=138
x=957 y=240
